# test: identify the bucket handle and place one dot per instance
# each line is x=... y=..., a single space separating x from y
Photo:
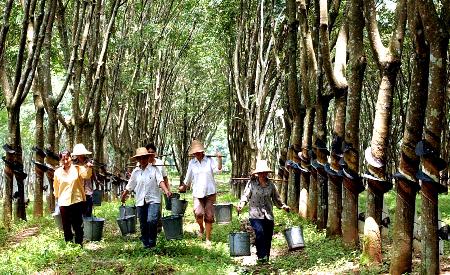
x=289 y=219
x=122 y=213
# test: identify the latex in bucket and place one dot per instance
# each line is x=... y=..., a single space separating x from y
x=239 y=244
x=178 y=206
x=127 y=224
x=97 y=198
x=169 y=200
x=223 y=212
x=173 y=227
x=294 y=238
x=93 y=228
x=58 y=220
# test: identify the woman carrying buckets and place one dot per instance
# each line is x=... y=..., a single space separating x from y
x=145 y=180
x=200 y=174
x=79 y=158
x=260 y=193
x=68 y=185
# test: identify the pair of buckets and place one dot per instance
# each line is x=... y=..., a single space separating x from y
x=173 y=224
x=240 y=241
x=127 y=220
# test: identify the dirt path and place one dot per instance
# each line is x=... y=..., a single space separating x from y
x=22 y=235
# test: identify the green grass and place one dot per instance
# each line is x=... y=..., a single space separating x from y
x=45 y=250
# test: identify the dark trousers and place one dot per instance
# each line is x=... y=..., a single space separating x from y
x=148 y=222
x=88 y=206
x=72 y=217
x=263 y=230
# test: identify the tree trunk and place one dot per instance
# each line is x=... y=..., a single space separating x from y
x=15 y=140
x=388 y=61
x=335 y=181
x=38 y=206
x=437 y=36
x=407 y=185
x=352 y=185
x=313 y=197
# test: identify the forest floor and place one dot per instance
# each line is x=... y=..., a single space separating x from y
x=37 y=247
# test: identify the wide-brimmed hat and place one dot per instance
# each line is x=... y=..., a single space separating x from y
x=261 y=166
x=141 y=151
x=196 y=147
x=79 y=150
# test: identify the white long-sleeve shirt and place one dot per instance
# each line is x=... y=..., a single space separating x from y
x=145 y=184
x=201 y=176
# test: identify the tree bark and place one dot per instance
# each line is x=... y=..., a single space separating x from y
x=352 y=186
x=388 y=61
x=38 y=204
x=437 y=36
x=407 y=184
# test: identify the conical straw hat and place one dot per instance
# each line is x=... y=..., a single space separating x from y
x=196 y=146
x=141 y=151
x=261 y=166
x=79 y=150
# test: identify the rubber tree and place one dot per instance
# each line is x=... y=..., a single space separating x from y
x=16 y=83
x=352 y=184
x=338 y=84
x=436 y=34
x=294 y=102
x=388 y=62
x=407 y=183
x=257 y=69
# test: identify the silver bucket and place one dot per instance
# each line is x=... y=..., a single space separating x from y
x=239 y=244
x=178 y=206
x=168 y=200
x=127 y=225
x=93 y=228
x=294 y=238
x=128 y=211
x=173 y=227
x=223 y=212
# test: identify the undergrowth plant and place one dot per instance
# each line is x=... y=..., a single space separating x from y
x=37 y=246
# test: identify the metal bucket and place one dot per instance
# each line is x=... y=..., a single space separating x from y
x=127 y=211
x=223 y=212
x=58 y=220
x=169 y=200
x=93 y=228
x=294 y=238
x=127 y=224
x=97 y=198
x=239 y=244
x=178 y=206
x=173 y=227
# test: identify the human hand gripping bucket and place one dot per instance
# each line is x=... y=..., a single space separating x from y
x=178 y=205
